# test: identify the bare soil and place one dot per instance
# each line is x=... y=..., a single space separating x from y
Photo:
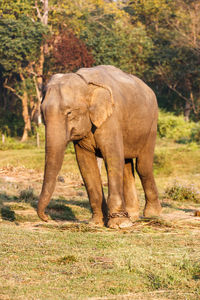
x=13 y=180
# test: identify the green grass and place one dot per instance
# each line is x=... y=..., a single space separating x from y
x=170 y=158
x=34 y=159
x=66 y=258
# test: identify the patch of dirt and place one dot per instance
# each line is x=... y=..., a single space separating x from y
x=27 y=212
x=182 y=218
x=22 y=178
x=15 y=179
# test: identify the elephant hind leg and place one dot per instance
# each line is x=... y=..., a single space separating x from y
x=152 y=205
x=144 y=167
x=130 y=194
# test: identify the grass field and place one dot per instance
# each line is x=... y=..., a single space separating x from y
x=66 y=258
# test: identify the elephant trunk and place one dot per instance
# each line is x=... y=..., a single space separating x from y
x=56 y=142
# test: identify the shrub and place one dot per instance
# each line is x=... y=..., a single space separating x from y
x=162 y=163
x=13 y=143
x=41 y=131
x=174 y=127
x=195 y=133
x=179 y=192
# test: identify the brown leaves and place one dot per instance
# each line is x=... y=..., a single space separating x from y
x=70 y=53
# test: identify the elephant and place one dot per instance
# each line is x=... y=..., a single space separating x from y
x=110 y=114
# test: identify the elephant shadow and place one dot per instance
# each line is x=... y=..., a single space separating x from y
x=186 y=210
x=58 y=209
x=6 y=212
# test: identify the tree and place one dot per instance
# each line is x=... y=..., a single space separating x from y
x=69 y=53
x=15 y=9
x=179 y=55
x=174 y=28
x=39 y=78
x=115 y=41
x=20 y=44
x=158 y=40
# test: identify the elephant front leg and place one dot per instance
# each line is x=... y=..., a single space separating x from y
x=117 y=214
x=88 y=166
x=130 y=194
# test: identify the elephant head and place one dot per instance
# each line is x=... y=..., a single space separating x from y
x=72 y=104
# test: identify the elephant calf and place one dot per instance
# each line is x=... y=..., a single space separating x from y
x=106 y=113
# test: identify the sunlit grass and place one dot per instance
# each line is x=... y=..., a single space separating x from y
x=67 y=258
x=58 y=264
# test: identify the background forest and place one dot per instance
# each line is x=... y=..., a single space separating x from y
x=67 y=258
x=157 y=40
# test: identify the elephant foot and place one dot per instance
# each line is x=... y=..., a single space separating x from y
x=97 y=221
x=133 y=215
x=152 y=210
x=119 y=221
x=42 y=216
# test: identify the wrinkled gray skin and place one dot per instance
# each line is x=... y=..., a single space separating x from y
x=110 y=114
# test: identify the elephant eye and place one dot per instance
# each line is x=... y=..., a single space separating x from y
x=68 y=113
x=71 y=115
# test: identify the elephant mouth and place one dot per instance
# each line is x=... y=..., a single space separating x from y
x=75 y=136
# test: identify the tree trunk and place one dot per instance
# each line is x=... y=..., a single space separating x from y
x=25 y=111
x=187 y=111
x=39 y=88
x=26 y=117
x=43 y=50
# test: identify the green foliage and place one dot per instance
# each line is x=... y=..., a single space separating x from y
x=180 y=192
x=20 y=43
x=11 y=121
x=173 y=27
x=174 y=127
x=13 y=143
x=195 y=133
x=14 y=9
x=158 y=40
x=40 y=130
x=117 y=42
x=162 y=162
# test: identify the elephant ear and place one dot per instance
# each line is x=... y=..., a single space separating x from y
x=100 y=97
x=100 y=103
